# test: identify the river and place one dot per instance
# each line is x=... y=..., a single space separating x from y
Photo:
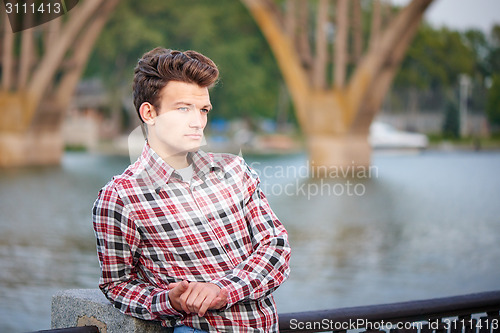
x=413 y=226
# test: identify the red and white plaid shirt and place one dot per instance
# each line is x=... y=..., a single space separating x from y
x=153 y=229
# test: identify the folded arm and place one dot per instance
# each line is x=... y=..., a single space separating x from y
x=268 y=265
x=118 y=251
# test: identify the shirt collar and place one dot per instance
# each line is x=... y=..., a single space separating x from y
x=203 y=163
x=159 y=172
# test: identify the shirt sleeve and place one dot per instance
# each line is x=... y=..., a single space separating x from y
x=118 y=251
x=268 y=265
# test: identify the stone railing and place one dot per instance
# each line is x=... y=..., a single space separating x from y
x=89 y=307
x=474 y=313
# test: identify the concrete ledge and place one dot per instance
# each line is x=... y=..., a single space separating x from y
x=86 y=307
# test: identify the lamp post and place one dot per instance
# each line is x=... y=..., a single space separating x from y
x=465 y=83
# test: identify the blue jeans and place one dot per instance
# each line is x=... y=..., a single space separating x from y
x=185 y=329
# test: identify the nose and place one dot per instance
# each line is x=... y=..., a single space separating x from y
x=197 y=120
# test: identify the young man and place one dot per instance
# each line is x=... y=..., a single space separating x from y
x=183 y=236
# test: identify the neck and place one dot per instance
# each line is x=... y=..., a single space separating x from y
x=175 y=160
x=179 y=161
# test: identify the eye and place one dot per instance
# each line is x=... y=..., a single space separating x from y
x=183 y=108
x=205 y=111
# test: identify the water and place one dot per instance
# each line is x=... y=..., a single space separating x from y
x=413 y=227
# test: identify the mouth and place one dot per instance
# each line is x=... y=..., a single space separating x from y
x=194 y=136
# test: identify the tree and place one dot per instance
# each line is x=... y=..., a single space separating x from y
x=434 y=61
x=451 y=123
x=494 y=54
x=249 y=81
x=335 y=114
x=477 y=42
x=40 y=69
x=493 y=104
x=436 y=58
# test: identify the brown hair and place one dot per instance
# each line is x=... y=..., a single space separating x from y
x=159 y=66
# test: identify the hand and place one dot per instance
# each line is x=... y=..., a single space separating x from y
x=176 y=290
x=196 y=297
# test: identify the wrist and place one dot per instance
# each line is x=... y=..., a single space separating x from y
x=161 y=305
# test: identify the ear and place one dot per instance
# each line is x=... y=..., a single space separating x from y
x=148 y=113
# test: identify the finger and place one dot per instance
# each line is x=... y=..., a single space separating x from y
x=196 y=297
x=175 y=293
x=220 y=300
x=204 y=307
x=180 y=287
x=183 y=290
x=177 y=288
x=210 y=296
x=182 y=300
x=186 y=299
x=173 y=285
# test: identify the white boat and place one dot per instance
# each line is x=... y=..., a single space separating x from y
x=385 y=136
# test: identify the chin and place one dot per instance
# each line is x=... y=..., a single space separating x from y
x=193 y=149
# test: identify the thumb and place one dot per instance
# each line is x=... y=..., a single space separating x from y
x=183 y=286
x=179 y=287
x=175 y=293
x=173 y=285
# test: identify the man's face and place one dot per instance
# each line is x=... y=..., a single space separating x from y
x=180 y=120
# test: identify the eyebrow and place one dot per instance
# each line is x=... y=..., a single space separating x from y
x=189 y=104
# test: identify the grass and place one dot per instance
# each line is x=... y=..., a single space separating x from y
x=491 y=142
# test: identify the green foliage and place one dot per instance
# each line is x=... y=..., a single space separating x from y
x=494 y=55
x=250 y=79
x=223 y=30
x=493 y=59
x=478 y=43
x=493 y=105
x=451 y=123
x=436 y=57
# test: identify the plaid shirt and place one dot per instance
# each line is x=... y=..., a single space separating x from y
x=153 y=229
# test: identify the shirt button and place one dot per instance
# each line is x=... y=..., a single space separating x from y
x=227 y=247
